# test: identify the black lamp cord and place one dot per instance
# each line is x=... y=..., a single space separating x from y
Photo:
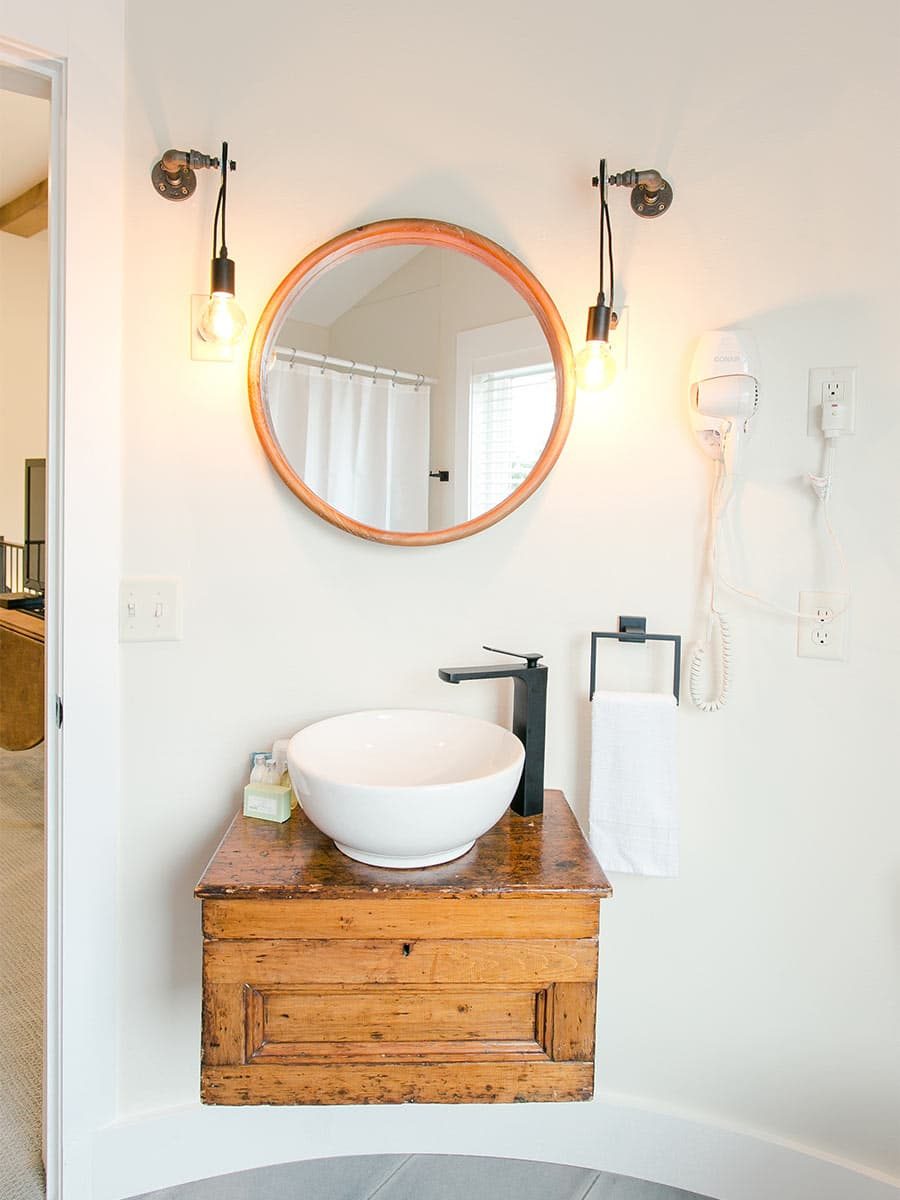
x=606 y=240
x=220 y=208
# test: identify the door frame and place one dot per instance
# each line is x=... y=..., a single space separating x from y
x=48 y=77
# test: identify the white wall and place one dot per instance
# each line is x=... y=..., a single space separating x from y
x=759 y=990
x=23 y=371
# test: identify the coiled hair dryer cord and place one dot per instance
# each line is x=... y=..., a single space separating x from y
x=695 y=682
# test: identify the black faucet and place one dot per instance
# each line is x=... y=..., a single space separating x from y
x=529 y=720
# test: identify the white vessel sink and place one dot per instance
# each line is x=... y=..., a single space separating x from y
x=405 y=787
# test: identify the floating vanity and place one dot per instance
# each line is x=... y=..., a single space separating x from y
x=328 y=981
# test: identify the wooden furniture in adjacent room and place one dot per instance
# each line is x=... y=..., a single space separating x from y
x=326 y=981
x=21 y=679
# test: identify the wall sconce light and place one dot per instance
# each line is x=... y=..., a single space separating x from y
x=651 y=196
x=221 y=321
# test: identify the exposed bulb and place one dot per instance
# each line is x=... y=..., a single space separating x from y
x=222 y=320
x=595 y=366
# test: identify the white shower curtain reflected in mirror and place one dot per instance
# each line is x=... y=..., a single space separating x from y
x=360 y=444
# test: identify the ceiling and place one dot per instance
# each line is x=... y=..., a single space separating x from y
x=24 y=143
x=337 y=291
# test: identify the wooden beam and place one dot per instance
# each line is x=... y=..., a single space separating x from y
x=26 y=215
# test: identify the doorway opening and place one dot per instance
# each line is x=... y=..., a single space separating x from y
x=26 y=551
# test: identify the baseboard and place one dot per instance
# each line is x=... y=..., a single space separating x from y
x=164 y=1148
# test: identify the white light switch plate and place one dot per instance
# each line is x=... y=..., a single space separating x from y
x=817 y=636
x=150 y=609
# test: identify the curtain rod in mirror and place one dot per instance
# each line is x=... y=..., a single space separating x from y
x=309 y=358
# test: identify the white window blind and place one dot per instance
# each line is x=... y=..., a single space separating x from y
x=510 y=417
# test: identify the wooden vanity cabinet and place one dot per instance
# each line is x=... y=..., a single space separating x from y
x=326 y=981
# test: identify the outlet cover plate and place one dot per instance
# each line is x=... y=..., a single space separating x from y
x=818 y=377
x=817 y=637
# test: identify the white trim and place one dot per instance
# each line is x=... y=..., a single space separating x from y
x=172 y=1146
x=83 y=650
x=46 y=78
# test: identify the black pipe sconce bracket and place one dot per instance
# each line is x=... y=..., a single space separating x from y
x=651 y=195
x=175 y=175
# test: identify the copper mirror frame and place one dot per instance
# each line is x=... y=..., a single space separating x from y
x=413 y=231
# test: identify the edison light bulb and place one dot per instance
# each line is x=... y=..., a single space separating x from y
x=221 y=320
x=595 y=366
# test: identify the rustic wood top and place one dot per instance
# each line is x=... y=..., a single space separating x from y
x=542 y=855
x=22 y=622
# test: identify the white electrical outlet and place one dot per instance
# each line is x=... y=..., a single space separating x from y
x=823 y=632
x=834 y=386
x=150 y=610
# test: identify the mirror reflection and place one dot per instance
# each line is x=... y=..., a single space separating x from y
x=411 y=387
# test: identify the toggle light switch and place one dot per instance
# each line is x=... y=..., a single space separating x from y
x=150 y=609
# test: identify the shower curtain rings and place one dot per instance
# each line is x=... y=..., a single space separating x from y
x=394 y=380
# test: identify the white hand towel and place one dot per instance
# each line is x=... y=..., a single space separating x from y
x=633 y=809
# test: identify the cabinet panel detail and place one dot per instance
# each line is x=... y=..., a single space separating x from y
x=569 y=1021
x=378 y=1024
x=398 y=1083
x=470 y=961
x=403 y=918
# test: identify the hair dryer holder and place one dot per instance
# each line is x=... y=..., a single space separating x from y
x=724 y=391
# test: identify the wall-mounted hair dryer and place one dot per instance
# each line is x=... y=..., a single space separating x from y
x=724 y=393
x=724 y=396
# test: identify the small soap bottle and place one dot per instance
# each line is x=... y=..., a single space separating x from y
x=260 y=769
x=279 y=754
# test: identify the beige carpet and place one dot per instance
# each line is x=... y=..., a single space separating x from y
x=21 y=972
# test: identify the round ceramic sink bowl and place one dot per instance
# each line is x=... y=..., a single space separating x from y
x=405 y=787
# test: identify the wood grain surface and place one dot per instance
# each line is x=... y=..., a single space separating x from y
x=397 y=1015
x=405 y=918
x=534 y=856
x=399 y=1083
x=448 y=960
x=26 y=214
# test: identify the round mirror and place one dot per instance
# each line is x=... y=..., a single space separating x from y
x=411 y=382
